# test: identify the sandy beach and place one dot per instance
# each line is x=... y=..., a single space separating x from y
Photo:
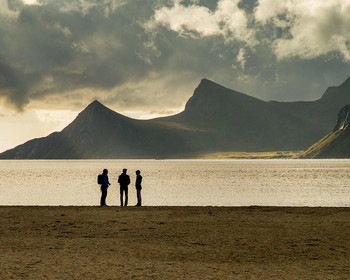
x=174 y=243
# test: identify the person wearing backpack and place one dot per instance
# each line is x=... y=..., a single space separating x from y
x=124 y=181
x=102 y=179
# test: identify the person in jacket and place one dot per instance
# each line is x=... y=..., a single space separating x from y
x=104 y=186
x=138 y=187
x=124 y=181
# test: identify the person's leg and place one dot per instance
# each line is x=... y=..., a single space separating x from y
x=121 y=196
x=138 y=197
x=103 y=196
x=126 y=196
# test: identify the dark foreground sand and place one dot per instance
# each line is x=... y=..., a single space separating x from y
x=174 y=243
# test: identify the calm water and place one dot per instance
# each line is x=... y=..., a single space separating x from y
x=179 y=182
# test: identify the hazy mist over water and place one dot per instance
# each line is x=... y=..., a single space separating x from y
x=179 y=182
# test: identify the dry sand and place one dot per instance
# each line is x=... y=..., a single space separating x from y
x=174 y=243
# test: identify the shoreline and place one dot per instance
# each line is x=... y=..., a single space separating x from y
x=174 y=242
x=175 y=207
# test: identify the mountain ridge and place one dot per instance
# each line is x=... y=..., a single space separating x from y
x=215 y=119
x=323 y=111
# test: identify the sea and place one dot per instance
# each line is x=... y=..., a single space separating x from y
x=234 y=182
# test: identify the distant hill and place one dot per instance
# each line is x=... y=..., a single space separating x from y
x=322 y=112
x=215 y=119
x=335 y=144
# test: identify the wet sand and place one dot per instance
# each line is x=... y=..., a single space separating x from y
x=174 y=243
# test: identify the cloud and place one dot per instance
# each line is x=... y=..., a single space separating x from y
x=63 y=54
x=13 y=86
x=196 y=21
x=85 y=7
x=6 y=12
x=241 y=58
x=59 y=47
x=311 y=28
x=31 y=2
x=147 y=57
x=189 y=21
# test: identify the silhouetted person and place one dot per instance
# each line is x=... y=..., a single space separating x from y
x=138 y=187
x=124 y=181
x=104 y=186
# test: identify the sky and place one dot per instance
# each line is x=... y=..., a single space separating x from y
x=144 y=59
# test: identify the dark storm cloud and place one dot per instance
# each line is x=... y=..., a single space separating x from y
x=62 y=46
x=150 y=55
x=12 y=85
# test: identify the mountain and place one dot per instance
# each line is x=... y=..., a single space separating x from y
x=98 y=132
x=235 y=122
x=335 y=144
x=322 y=112
x=215 y=119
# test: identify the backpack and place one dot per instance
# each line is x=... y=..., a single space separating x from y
x=100 y=179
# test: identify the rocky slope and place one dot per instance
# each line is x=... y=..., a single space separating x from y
x=336 y=144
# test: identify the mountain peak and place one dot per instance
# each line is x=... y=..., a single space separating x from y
x=95 y=107
x=205 y=83
x=338 y=92
x=95 y=104
x=206 y=93
x=211 y=99
x=93 y=112
x=209 y=89
x=346 y=83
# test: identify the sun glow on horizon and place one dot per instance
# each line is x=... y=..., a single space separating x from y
x=58 y=119
x=142 y=115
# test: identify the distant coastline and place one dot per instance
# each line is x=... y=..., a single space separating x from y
x=217 y=155
x=253 y=155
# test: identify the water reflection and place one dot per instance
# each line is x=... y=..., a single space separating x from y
x=179 y=182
